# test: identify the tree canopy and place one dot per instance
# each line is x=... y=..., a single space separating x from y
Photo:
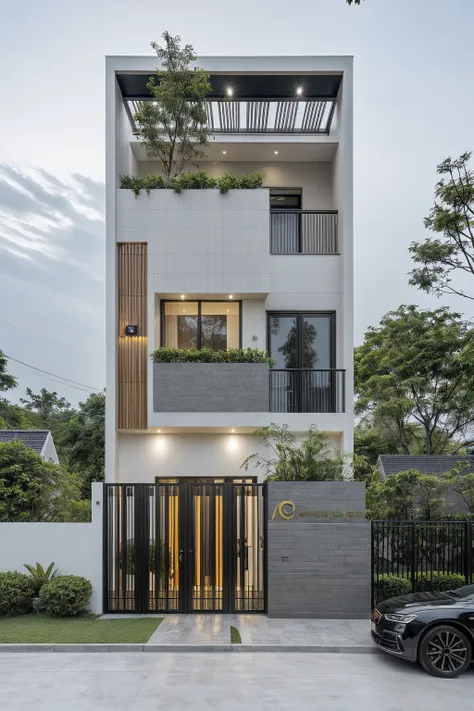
x=415 y=374
x=32 y=489
x=450 y=252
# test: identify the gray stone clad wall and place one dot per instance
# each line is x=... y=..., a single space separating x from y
x=318 y=550
x=210 y=387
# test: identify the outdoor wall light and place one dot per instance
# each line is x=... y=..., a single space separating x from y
x=224 y=153
x=131 y=330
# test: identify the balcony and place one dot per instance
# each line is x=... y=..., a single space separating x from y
x=301 y=390
x=303 y=232
x=244 y=387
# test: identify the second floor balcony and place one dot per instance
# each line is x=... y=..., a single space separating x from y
x=303 y=232
x=246 y=387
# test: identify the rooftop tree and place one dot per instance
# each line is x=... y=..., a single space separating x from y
x=173 y=125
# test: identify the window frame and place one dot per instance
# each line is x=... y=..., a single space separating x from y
x=299 y=315
x=163 y=303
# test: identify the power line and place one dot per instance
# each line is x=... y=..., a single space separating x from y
x=72 y=383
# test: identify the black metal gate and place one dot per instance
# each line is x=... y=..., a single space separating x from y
x=185 y=547
x=418 y=552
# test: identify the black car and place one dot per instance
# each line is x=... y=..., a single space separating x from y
x=433 y=628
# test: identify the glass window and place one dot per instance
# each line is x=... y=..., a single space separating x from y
x=181 y=324
x=202 y=324
x=301 y=340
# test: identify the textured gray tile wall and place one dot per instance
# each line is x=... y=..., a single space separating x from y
x=210 y=387
x=318 y=565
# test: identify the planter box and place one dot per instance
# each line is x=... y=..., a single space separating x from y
x=210 y=387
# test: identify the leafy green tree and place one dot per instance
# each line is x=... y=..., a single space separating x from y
x=312 y=459
x=462 y=484
x=174 y=125
x=45 y=403
x=408 y=496
x=415 y=374
x=83 y=441
x=7 y=381
x=34 y=490
x=451 y=251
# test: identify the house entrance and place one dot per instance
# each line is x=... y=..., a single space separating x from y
x=186 y=546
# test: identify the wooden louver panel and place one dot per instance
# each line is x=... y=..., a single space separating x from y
x=132 y=350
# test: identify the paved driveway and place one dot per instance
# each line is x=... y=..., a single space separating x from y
x=240 y=682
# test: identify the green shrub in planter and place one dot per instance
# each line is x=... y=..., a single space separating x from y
x=66 y=595
x=439 y=581
x=388 y=586
x=16 y=593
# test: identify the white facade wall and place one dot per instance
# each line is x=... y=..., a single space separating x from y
x=143 y=457
x=75 y=548
x=204 y=245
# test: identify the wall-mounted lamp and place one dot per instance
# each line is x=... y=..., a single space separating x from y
x=131 y=330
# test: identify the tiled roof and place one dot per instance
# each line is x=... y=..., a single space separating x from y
x=31 y=438
x=424 y=463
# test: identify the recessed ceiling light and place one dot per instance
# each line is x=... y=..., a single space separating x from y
x=299 y=90
x=231 y=296
x=224 y=153
x=229 y=91
x=159 y=431
x=232 y=431
x=276 y=153
x=182 y=296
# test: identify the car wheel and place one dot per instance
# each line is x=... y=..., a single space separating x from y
x=445 y=651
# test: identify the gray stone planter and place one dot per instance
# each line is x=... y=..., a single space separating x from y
x=210 y=387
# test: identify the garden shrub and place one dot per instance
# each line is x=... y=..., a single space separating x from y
x=66 y=595
x=16 y=593
x=193 y=180
x=439 y=581
x=208 y=355
x=388 y=586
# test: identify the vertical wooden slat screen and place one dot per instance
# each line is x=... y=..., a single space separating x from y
x=132 y=350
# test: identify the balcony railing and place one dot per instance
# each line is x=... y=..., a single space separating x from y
x=298 y=390
x=303 y=232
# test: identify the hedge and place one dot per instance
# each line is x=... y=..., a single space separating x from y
x=208 y=355
x=66 y=595
x=388 y=586
x=16 y=593
x=193 y=180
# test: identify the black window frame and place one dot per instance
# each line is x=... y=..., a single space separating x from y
x=163 y=303
x=299 y=320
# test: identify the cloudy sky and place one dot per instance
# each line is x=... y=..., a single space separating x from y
x=413 y=107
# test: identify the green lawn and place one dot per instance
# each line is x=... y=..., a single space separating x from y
x=30 y=629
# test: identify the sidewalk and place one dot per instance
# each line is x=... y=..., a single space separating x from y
x=259 y=631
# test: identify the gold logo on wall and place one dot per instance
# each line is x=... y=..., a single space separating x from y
x=285 y=509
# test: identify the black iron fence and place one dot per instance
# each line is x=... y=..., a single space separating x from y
x=305 y=390
x=303 y=232
x=408 y=556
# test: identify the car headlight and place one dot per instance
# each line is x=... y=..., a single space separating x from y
x=399 y=618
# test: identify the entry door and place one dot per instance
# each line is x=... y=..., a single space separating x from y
x=190 y=547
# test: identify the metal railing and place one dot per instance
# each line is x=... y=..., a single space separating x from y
x=419 y=552
x=304 y=390
x=303 y=232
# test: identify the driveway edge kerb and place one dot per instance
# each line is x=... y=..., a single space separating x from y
x=189 y=648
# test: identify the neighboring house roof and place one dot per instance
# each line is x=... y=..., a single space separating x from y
x=41 y=441
x=424 y=463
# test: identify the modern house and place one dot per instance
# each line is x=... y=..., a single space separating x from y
x=268 y=268
x=41 y=441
